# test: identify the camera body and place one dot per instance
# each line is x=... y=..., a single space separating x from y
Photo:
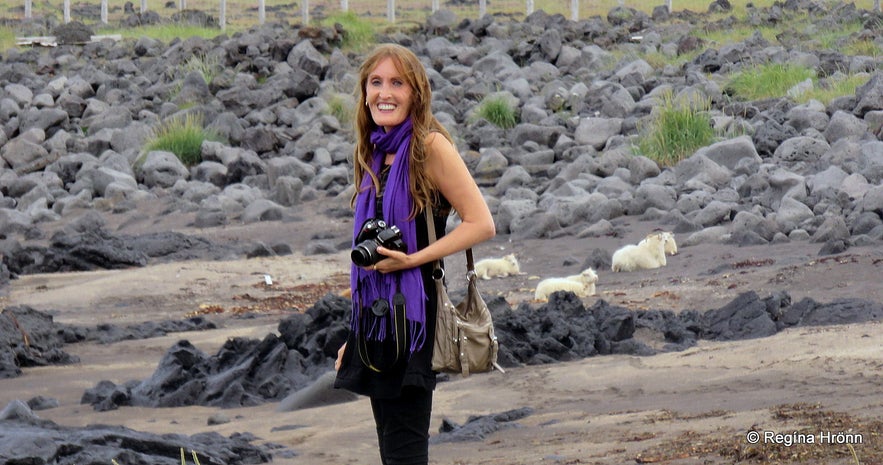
x=373 y=234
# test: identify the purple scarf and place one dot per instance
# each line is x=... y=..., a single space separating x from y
x=367 y=286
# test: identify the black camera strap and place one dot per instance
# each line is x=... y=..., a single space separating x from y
x=396 y=322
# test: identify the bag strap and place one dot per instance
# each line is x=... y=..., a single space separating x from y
x=430 y=227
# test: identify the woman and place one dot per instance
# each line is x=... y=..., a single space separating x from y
x=404 y=163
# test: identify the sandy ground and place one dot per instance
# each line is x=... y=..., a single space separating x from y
x=690 y=407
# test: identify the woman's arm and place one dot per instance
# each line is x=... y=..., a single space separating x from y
x=452 y=178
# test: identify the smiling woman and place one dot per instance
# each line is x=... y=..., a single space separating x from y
x=408 y=176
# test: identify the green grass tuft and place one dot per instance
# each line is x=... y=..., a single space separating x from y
x=166 y=32
x=498 y=111
x=208 y=66
x=359 y=34
x=341 y=108
x=677 y=129
x=7 y=39
x=767 y=81
x=181 y=136
x=838 y=85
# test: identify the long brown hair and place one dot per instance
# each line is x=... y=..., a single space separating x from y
x=413 y=73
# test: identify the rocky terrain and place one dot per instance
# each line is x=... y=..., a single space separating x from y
x=787 y=187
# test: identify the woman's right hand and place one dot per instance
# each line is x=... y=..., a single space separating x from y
x=339 y=357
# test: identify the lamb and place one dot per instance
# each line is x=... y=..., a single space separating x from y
x=490 y=267
x=583 y=285
x=671 y=247
x=648 y=254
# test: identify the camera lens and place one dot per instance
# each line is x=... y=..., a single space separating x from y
x=365 y=254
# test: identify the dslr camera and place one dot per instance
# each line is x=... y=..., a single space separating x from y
x=375 y=233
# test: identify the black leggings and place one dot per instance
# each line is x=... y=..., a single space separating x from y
x=403 y=426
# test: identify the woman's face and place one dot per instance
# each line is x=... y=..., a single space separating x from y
x=388 y=95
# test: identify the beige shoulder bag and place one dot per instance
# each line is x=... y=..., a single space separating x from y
x=464 y=333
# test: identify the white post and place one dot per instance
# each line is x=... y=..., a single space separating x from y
x=668 y=5
x=222 y=16
x=434 y=6
x=182 y=5
x=391 y=11
x=28 y=13
x=143 y=6
x=67 y=11
x=529 y=7
x=262 y=12
x=877 y=6
x=344 y=6
x=574 y=10
x=305 y=12
x=482 y=8
x=104 y=11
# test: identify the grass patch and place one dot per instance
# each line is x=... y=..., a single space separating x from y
x=341 y=108
x=7 y=39
x=862 y=47
x=767 y=81
x=182 y=136
x=208 y=66
x=676 y=130
x=165 y=32
x=834 y=39
x=498 y=111
x=659 y=60
x=838 y=85
x=736 y=34
x=359 y=34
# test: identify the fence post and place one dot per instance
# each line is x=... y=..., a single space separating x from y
x=305 y=12
x=482 y=8
x=668 y=5
x=529 y=7
x=262 y=12
x=877 y=6
x=67 y=11
x=143 y=6
x=104 y=11
x=222 y=16
x=391 y=11
x=434 y=6
x=28 y=13
x=182 y=5
x=344 y=6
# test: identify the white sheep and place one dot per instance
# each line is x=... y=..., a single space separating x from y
x=671 y=247
x=490 y=267
x=583 y=285
x=648 y=254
